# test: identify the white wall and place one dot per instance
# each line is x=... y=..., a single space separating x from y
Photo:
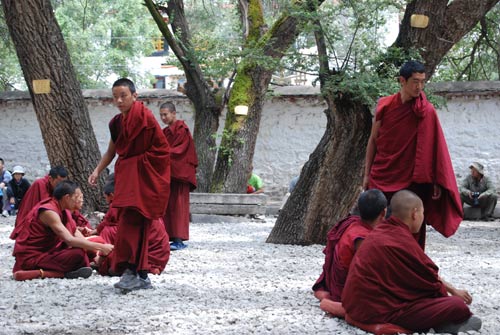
x=292 y=124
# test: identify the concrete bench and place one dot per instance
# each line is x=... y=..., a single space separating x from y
x=227 y=204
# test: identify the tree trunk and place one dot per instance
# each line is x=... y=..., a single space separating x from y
x=235 y=155
x=62 y=113
x=207 y=109
x=449 y=21
x=329 y=182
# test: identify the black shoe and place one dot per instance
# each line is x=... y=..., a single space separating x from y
x=473 y=323
x=84 y=272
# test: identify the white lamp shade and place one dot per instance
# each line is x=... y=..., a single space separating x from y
x=241 y=110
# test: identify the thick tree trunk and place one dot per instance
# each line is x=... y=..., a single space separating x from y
x=62 y=113
x=449 y=21
x=330 y=181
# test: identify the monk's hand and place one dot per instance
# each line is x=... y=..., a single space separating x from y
x=93 y=178
x=462 y=294
x=436 y=192
x=106 y=249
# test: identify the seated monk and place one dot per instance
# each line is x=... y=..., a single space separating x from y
x=49 y=240
x=391 y=280
x=344 y=239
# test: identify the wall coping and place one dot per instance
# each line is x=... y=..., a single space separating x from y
x=447 y=89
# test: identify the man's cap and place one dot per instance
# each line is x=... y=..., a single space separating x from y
x=18 y=169
x=479 y=167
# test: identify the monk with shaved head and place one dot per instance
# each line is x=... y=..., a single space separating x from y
x=391 y=280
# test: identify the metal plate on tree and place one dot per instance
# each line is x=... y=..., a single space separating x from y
x=41 y=86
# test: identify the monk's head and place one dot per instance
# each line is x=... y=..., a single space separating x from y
x=168 y=113
x=124 y=94
x=408 y=207
x=372 y=206
x=109 y=191
x=69 y=195
x=412 y=80
x=56 y=175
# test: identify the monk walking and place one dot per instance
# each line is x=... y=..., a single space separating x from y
x=183 y=170
x=142 y=182
x=391 y=279
x=49 y=239
x=407 y=150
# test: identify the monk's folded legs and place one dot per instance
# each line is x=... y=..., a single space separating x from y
x=65 y=260
x=424 y=314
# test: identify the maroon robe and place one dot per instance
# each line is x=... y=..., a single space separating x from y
x=142 y=182
x=159 y=250
x=391 y=280
x=38 y=247
x=183 y=168
x=80 y=220
x=109 y=225
x=411 y=149
x=38 y=191
x=340 y=249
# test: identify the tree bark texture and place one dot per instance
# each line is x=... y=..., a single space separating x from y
x=329 y=182
x=207 y=109
x=449 y=21
x=234 y=161
x=62 y=114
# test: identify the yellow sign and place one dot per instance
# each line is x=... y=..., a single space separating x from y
x=419 y=21
x=41 y=86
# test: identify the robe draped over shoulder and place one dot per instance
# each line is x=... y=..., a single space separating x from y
x=387 y=273
x=142 y=170
x=411 y=148
x=182 y=153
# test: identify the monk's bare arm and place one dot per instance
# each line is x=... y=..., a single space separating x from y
x=464 y=294
x=371 y=150
x=106 y=159
x=53 y=221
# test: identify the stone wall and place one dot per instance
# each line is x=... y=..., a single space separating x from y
x=292 y=124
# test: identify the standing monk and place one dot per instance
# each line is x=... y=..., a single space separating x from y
x=407 y=149
x=142 y=182
x=40 y=189
x=183 y=165
x=49 y=239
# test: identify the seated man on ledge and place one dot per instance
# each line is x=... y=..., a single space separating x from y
x=477 y=190
x=343 y=240
x=391 y=280
x=48 y=238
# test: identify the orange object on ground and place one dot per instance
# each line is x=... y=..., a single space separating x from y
x=378 y=328
x=36 y=274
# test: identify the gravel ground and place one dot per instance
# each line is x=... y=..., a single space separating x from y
x=229 y=281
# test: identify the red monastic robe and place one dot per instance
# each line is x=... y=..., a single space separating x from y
x=142 y=182
x=183 y=168
x=411 y=149
x=38 y=191
x=37 y=246
x=391 y=280
x=108 y=227
x=159 y=249
x=80 y=220
x=339 y=251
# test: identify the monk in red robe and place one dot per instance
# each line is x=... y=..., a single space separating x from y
x=159 y=248
x=40 y=189
x=391 y=280
x=407 y=150
x=183 y=172
x=49 y=239
x=142 y=182
x=344 y=239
